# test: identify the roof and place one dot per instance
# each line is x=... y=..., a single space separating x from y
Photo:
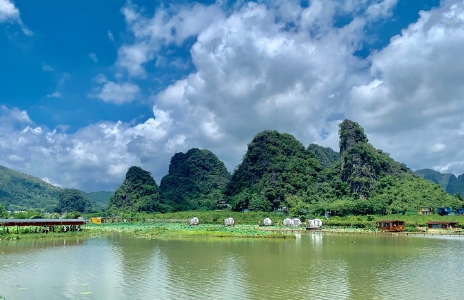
x=389 y=221
x=442 y=222
x=39 y=222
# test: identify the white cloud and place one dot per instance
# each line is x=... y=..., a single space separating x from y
x=250 y=73
x=93 y=57
x=415 y=97
x=110 y=36
x=10 y=13
x=117 y=93
x=47 y=68
x=55 y=94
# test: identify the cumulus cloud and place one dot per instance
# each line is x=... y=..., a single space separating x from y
x=95 y=157
x=265 y=66
x=414 y=102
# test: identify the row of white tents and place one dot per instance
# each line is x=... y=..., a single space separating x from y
x=310 y=223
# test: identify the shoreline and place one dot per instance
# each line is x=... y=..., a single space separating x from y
x=180 y=230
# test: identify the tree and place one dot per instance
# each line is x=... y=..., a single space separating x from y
x=73 y=200
x=3 y=212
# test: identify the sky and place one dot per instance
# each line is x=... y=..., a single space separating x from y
x=90 y=88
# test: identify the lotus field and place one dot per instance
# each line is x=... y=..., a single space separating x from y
x=184 y=230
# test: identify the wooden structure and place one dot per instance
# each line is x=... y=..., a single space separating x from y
x=229 y=222
x=442 y=225
x=425 y=211
x=48 y=225
x=97 y=220
x=390 y=225
x=194 y=221
x=313 y=224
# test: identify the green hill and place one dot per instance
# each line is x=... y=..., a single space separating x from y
x=196 y=179
x=277 y=171
x=19 y=191
x=100 y=199
x=449 y=182
x=138 y=192
x=275 y=167
x=325 y=155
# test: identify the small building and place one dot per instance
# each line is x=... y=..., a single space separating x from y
x=390 y=225
x=222 y=204
x=445 y=225
x=460 y=211
x=425 y=211
x=281 y=210
x=444 y=211
x=313 y=224
x=97 y=220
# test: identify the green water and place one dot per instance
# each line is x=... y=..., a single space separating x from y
x=312 y=266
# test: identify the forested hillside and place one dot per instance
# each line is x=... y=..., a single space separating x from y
x=196 y=179
x=325 y=155
x=275 y=168
x=449 y=182
x=19 y=191
x=138 y=192
x=100 y=199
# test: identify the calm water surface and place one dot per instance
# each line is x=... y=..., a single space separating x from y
x=313 y=266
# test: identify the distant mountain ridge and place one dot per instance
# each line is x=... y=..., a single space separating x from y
x=449 y=182
x=20 y=191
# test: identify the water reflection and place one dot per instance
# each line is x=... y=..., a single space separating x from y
x=312 y=266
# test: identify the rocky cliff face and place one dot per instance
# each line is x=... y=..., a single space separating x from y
x=325 y=155
x=361 y=164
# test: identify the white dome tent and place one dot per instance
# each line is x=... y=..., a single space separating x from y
x=288 y=222
x=296 y=222
x=229 y=222
x=313 y=223
x=194 y=221
x=267 y=222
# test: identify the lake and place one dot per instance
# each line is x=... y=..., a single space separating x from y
x=312 y=266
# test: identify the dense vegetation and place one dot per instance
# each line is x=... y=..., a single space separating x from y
x=277 y=173
x=138 y=192
x=73 y=200
x=449 y=182
x=195 y=180
x=100 y=199
x=325 y=155
x=21 y=192
x=275 y=168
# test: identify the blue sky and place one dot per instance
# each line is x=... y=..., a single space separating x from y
x=111 y=75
